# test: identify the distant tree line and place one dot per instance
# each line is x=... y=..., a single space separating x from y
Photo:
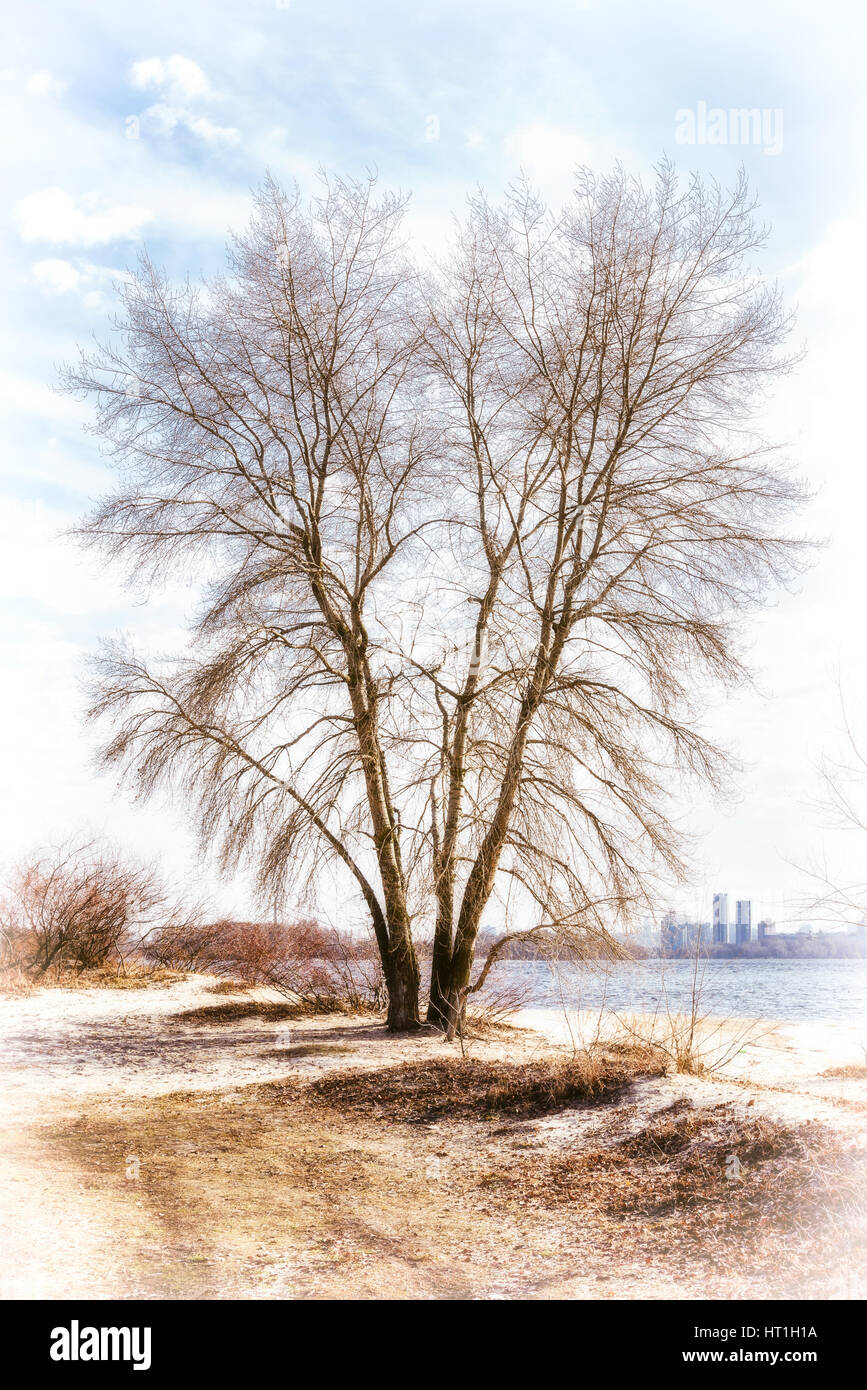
x=545 y=948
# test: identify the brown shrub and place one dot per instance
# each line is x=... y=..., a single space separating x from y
x=303 y=960
x=125 y=975
x=76 y=907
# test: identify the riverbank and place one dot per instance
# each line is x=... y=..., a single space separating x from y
x=180 y=1142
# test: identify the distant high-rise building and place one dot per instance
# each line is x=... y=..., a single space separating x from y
x=720 y=919
x=670 y=934
x=744 y=920
x=764 y=929
x=697 y=934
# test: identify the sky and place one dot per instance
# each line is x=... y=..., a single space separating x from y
x=148 y=125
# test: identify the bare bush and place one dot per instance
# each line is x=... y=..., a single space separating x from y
x=303 y=960
x=183 y=945
x=78 y=906
x=692 y=1039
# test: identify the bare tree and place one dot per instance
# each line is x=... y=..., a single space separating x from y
x=550 y=432
x=617 y=515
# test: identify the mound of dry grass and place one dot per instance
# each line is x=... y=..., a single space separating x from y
x=769 y=1206
x=315 y=1049
x=750 y=1172
x=236 y=1011
x=474 y=1089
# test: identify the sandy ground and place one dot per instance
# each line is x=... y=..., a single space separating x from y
x=783 y=1065
x=143 y=1155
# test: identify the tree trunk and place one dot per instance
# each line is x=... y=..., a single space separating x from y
x=400 y=963
x=402 y=981
x=441 y=966
x=439 y=1012
x=459 y=978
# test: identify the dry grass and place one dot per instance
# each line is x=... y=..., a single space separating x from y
x=715 y=1185
x=468 y=1088
x=132 y=975
x=856 y=1071
x=315 y=1049
x=242 y=1009
x=694 y=1044
x=14 y=982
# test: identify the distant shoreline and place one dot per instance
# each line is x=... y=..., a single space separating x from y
x=847 y=949
x=782 y=948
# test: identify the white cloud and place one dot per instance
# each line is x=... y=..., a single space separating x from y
x=93 y=282
x=56 y=600
x=56 y=276
x=548 y=154
x=179 y=78
x=200 y=125
x=191 y=208
x=160 y=118
x=55 y=216
x=43 y=83
x=824 y=276
x=25 y=395
x=178 y=81
x=163 y=119
x=40 y=568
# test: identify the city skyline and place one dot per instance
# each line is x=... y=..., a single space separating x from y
x=712 y=910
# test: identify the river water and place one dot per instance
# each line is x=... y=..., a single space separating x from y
x=823 y=992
